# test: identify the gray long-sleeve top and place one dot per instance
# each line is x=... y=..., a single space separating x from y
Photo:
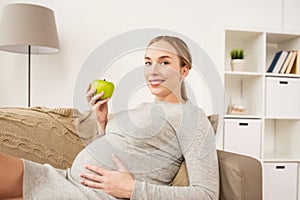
x=152 y=141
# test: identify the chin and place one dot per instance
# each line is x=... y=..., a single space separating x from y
x=155 y=92
x=158 y=92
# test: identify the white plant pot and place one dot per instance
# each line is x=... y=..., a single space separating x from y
x=238 y=64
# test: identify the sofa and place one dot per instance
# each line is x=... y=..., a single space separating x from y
x=56 y=135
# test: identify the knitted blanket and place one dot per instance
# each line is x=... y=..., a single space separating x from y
x=45 y=135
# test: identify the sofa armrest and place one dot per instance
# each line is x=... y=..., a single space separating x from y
x=240 y=177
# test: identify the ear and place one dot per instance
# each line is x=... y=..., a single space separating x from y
x=184 y=71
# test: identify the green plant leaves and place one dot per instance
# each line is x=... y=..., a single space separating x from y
x=237 y=54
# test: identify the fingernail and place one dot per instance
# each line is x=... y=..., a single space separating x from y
x=82 y=182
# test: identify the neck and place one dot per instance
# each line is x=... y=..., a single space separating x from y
x=171 y=98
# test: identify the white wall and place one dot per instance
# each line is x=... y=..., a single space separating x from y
x=84 y=25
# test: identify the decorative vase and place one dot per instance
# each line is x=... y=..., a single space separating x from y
x=238 y=64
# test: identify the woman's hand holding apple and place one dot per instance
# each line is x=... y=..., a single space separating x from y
x=100 y=107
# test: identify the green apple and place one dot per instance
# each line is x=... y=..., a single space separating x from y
x=105 y=86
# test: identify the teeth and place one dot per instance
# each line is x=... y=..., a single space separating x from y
x=156 y=82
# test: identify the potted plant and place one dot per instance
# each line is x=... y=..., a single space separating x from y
x=237 y=59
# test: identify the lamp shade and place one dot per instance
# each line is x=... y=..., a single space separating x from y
x=22 y=25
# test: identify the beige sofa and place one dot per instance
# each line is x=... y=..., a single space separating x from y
x=56 y=136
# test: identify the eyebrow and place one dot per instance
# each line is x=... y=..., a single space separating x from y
x=161 y=57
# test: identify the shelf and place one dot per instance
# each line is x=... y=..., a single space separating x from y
x=242 y=35
x=228 y=116
x=245 y=88
x=240 y=73
x=272 y=99
x=253 y=45
x=282 y=75
x=280 y=157
x=277 y=38
x=282 y=118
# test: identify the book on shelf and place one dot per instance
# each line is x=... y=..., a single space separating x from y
x=291 y=63
x=287 y=62
x=295 y=68
x=277 y=61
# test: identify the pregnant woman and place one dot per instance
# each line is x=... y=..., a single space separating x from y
x=140 y=150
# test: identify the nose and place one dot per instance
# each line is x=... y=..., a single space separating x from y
x=154 y=69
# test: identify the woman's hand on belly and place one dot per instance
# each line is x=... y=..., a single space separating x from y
x=116 y=183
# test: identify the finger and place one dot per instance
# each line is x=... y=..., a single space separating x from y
x=90 y=94
x=91 y=184
x=92 y=177
x=96 y=98
x=89 y=87
x=96 y=169
x=119 y=163
x=100 y=103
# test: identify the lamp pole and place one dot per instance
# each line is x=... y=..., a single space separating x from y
x=29 y=75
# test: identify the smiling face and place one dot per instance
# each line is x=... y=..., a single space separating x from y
x=164 y=72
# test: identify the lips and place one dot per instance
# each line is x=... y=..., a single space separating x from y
x=155 y=82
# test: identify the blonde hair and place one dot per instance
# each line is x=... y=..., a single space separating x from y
x=183 y=53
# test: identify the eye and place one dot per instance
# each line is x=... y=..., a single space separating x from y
x=164 y=63
x=148 y=63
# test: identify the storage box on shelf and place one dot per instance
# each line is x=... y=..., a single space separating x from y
x=273 y=99
x=243 y=136
x=280 y=181
x=282 y=97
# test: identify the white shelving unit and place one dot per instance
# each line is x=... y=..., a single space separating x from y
x=272 y=101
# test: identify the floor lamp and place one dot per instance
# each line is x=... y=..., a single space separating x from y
x=30 y=29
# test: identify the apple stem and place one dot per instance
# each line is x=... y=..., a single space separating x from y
x=104 y=79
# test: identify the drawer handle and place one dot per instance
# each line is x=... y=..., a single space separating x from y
x=280 y=167
x=243 y=124
x=283 y=82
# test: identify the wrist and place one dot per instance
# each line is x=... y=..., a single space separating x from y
x=101 y=127
x=129 y=190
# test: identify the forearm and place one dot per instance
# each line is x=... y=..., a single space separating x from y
x=143 y=190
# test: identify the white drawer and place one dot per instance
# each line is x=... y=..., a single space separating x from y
x=243 y=136
x=280 y=181
x=282 y=97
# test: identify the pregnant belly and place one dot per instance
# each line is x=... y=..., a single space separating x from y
x=153 y=167
x=98 y=153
